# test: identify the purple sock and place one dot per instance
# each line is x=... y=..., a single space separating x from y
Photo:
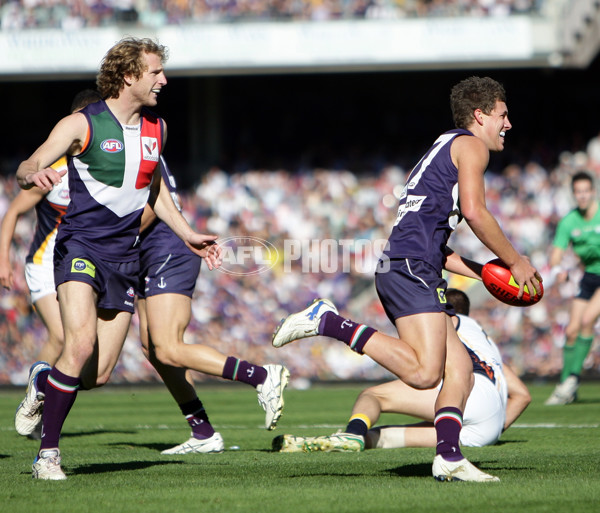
x=352 y=334
x=448 y=423
x=246 y=372
x=197 y=418
x=61 y=391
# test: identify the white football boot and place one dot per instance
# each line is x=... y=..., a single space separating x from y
x=564 y=393
x=461 y=470
x=214 y=444
x=270 y=393
x=302 y=324
x=29 y=412
x=47 y=466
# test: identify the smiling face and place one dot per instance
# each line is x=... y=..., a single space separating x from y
x=494 y=126
x=146 y=88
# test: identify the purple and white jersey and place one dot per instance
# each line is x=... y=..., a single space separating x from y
x=158 y=239
x=109 y=183
x=429 y=211
x=50 y=211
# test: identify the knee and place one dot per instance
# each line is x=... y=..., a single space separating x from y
x=587 y=325
x=167 y=355
x=427 y=379
x=571 y=331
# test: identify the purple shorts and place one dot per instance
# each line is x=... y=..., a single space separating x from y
x=114 y=282
x=169 y=274
x=407 y=287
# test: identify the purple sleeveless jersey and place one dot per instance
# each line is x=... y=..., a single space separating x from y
x=429 y=211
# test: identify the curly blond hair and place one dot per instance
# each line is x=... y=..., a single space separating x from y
x=125 y=58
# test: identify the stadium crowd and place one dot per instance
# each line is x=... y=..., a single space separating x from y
x=290 y=237
x=77 y=14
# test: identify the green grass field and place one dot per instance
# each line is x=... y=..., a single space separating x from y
x=548 y=462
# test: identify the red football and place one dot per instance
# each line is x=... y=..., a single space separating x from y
x=500 y=283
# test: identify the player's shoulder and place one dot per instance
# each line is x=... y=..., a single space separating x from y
x=467 y=323
x=151 y=115
x=572 y=217
x=467 y=142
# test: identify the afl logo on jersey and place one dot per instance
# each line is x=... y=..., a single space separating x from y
x=111 y=146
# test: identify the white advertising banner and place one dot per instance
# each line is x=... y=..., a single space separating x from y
x=223 y=48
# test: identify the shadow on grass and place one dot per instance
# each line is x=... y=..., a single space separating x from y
x=151 y=446
x=506 y=442
x=100 y=468
x=424 y=469
x=586 y=401
x=413 y=470
x=76 y=434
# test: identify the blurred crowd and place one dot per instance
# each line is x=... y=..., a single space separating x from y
x=77 y=14
x=290 y=237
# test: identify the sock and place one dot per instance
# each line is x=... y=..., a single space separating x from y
x=197 y=418
x=61 y=391
x=580 y=352
x=352 y=334
x=41 y=379
x=568 y=357
x=246 y=372
x=358 y=424
x=448 y=423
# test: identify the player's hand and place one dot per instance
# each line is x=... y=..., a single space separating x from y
x=6 y=275
x=526 y=276
x=45 y=178
x=206 y=247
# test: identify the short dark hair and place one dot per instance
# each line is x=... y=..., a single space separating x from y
x=84 y=98
x=581 y=175
x=474 y=93
x=459 y=301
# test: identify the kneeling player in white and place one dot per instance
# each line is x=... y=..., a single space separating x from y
x=496 y=401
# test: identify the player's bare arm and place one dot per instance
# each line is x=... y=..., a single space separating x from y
x=148 y=217
x=518 y=396
x=66 y=138
x=557 y=273
x=23 y=202
x=471 y=157
x=461 y=265
x=164 y=208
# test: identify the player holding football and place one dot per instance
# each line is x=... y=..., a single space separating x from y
x=497 y=399
x=113 y=148
x=446 y=185
x=579 y=229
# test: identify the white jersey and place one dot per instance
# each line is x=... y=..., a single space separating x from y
x=476 y=339
x=485 y=411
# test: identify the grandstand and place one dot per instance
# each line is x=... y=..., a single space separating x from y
x=297 y=121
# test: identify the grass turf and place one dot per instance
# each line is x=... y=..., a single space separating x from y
x=548 y=462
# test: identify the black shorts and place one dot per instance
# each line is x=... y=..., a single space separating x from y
x=588 y=285
x=169 y=274
x=114 y=282
x=407 y=287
